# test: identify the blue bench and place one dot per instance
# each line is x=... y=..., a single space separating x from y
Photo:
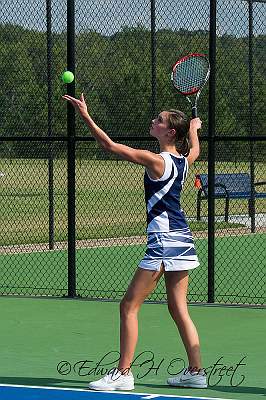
x=228 y=186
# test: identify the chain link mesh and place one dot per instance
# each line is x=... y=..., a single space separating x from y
x=123 y=67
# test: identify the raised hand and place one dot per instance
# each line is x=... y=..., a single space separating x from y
x=79 y=104
x=195 y=124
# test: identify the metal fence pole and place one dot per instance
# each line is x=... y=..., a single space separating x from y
x=49 y=122
x=71 y=152
x=153 y=59
x=211 y=155
x=251 y=130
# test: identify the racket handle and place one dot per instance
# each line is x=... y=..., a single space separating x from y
x=194 y=112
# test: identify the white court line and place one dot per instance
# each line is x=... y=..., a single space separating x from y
x=112 y=391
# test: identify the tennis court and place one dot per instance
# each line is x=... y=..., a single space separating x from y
x=66 y=343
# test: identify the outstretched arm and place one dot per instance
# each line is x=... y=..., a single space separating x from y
x=194 y=152
x=153 y=162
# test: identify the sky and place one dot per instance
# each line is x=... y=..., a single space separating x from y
x=109 y=16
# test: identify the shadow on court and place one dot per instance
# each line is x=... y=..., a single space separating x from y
x=239 y=389
x=26 y=381
x=225 y=389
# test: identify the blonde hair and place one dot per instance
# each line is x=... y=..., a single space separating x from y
x=178 y=121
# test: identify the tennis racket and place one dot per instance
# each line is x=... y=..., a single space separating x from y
x=189 y=75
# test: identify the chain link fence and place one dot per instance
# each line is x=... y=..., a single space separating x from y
x=123 y=56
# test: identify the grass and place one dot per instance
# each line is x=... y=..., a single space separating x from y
x=109 y=199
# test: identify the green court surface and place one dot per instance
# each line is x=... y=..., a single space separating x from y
x=42 y=339
x=106 y=271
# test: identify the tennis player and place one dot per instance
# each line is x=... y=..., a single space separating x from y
x=170 y=249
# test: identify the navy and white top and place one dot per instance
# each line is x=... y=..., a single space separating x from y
x=162 y=196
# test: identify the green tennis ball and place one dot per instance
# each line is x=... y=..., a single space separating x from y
x=67 y=77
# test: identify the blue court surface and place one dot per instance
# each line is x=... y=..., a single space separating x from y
x=15 y=392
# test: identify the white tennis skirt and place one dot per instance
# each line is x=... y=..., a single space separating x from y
x=175 y=250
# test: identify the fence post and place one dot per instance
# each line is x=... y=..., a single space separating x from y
x=153 y=59
x=211 y=155
x=251 y=107
x=71 y=152
x=49 y=123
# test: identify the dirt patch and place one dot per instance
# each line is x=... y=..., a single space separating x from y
x=229 y=232
x=121 y=241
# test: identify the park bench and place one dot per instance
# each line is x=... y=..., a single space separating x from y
x=227 y=186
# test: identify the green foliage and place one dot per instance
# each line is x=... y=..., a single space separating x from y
x=114 y=72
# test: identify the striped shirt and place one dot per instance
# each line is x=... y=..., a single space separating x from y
x=162 y=196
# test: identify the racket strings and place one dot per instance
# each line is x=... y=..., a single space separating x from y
x=190 y=75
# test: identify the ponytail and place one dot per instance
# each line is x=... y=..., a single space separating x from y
x=183 y=147
x=178 y=121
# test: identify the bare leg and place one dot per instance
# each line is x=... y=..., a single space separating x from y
x=176 y=287
x=142 y=284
